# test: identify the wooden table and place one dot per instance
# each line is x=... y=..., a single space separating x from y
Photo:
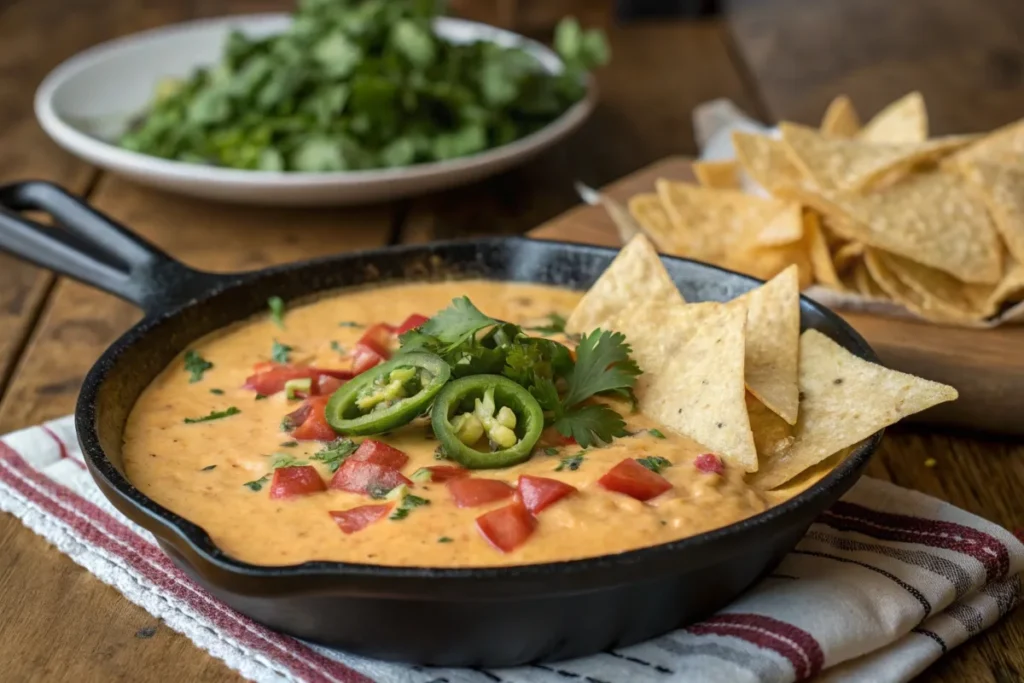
x=775 y=58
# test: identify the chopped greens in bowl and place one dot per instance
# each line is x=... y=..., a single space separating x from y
x=361 y=84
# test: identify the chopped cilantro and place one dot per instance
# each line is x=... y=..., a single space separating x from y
x=439 y=453
x=289 y=444
x=279 y=352
x=208 y=468
x=457 y=323
x=656 y=433
x=336 y=347
x=550 y=451
x=284 y=460
x=196 y=365
x=409 y=501
x=555 y=325
x=350 y=323
x=260 y=397
x=444 y=539
x=276 y=305
x=571 y=463
x=335 y=453
x=377 y=492
x=217 y=392
x=654 y=463
x=214 y=415
x=257 y=484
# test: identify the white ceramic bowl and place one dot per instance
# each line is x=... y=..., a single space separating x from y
x=88 y=101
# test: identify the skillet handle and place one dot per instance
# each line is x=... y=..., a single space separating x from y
x=93 y=248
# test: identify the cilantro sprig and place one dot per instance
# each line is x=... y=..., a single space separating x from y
x=335 y=453
x=196 y=365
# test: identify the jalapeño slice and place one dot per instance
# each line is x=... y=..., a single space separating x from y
x=388 y=395
x=486 y=421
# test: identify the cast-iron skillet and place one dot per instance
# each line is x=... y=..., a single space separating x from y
x=489 y=617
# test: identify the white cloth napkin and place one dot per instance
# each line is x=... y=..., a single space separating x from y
x=882 y=585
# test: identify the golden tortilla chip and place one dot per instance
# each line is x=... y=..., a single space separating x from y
x=864 y=284
x=700 y=393
x=943 y=291
x=1002 y=146
x=841 y=164
x=635 y=278
x=720 y=174
x=898 y=291
x=772 y=341
x=928 y=217
x=844 y=400
x=766 y=161
x=648 y=212
x=840 y=119
x=821 y=260
x=847 y=256
x=785 y=228
x=905 y=120
x=765 y=263
x=773 y=436
x=1002 y=190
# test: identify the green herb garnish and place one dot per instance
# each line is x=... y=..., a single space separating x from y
x=257 y=484
x=555 y=325
x=654 y=463
x=196 y=365
x=276 y=305
x=409 y=501
x=289 y=444
x=260 y=397
x=337 y=348
x=335 y=453
x=279 y=352
x=550 y=451
x=350 y=323
x=444 y=539
x=656 y=433
x=279 y=460
x=214 y=415
x=571 y=463
x=217 y=392
x=208 y=468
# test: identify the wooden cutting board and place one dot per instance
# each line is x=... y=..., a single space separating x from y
x=985 y=366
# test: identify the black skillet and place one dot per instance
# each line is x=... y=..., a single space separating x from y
x=489 y=617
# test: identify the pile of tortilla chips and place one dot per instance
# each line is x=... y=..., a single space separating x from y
x=738 y=377
x=880 y=211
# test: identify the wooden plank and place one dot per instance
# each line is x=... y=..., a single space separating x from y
x=965 y=57
x=985 y=366
x=983 y=477
x=646 y=96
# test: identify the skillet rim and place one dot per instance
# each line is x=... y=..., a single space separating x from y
x=841 y=478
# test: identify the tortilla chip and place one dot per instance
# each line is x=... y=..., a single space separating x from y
x=772 y=435
x=700 y=393
x=905 y=120
x=901 y=293
x=720 y=174
x=785 y=228
x=840 y=164
x=928 y=217
x=847 y=256
x=1002 y=146
x=821 y=260
x=840 y=120
x=1002 y=190
x=844 y=400
x=635 y=277
x=765 y=263
x=766 y=161
x=647 y=211
x=864 y=284
x=941 y=290
x=772 y=341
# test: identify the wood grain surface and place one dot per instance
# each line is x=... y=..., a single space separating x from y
x=773 y=57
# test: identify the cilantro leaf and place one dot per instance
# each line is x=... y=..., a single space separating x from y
x=571 y=463
x=257 y=484
x=602 y=364
x=214 y=415
x=196 y=365
x=655 y=463
x=457 y=323
x=656 y=433
x=276 y=305
x=546 y=393
x=279 y=352
x=284 y=460
x=591 y=425
x=555 y=325
x=409 y=501
x=335 y=453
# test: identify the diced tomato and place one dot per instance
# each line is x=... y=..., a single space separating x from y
x=364 y=358
x=366 y=477
x=296 y=481
x=311 y=421
x=379 y=338
x=469 y=492
x=269 y=378
x=550 y=437
x=635 y=480
x=506 y=528
x=325 y=385
x=411 y=323
x=709 y=463
x=536 y=493
x=360 y=517
x=380 y=453
x=443 y=473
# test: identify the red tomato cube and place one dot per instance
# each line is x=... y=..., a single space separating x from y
x=380 y=453
x=537 y=493
x=635 y=480
x=378 y=338
x=469 y=492
x=443 y=473
x=506 y=528
x=296 y=481
x=364 y=358
x=411 y=323
x=313 y=426
x=368 y=478
x=355 y=519
x=709 y=463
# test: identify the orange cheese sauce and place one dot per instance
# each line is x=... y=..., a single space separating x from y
x=170 y=460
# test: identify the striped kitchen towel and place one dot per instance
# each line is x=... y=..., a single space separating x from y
x=883 y=585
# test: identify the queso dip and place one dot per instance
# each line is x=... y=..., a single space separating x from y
x=209 y=448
